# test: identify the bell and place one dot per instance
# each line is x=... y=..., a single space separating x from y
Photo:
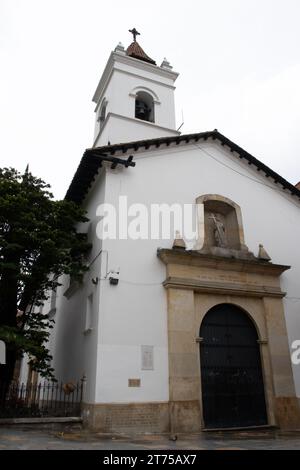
x=141 y=110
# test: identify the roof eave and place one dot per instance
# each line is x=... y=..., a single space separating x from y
x=157 y=142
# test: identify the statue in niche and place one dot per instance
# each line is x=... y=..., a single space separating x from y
x=219 y=231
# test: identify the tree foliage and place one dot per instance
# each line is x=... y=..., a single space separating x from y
x=38 y=242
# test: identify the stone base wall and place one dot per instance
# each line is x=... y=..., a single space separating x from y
x=287 y=412
x=185 y=416
x=134 y=418
x=172 y=417
x=127 y=417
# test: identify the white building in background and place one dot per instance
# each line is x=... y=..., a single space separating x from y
x=199 y=334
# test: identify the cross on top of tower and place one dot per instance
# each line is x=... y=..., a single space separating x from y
x=135 y=33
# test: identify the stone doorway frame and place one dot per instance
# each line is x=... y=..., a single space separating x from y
x=196 y=282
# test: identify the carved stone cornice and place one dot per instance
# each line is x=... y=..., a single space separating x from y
x=220 y=275
x=223 y=287
x=194 y=258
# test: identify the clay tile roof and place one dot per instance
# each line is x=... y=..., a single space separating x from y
x=135 y=50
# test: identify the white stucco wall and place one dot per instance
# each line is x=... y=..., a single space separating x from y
x=24 y=369
x=119 y=129
x=74 y=350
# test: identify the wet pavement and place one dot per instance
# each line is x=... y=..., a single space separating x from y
x=25 y=438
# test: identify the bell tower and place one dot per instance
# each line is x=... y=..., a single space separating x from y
x=134 y=98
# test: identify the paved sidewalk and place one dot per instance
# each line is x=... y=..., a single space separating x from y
x=42 y=439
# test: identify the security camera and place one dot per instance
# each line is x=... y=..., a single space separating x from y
x=114 y=277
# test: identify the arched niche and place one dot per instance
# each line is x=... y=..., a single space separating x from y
x=220 y=225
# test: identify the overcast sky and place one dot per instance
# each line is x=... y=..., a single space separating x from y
x=239 y=65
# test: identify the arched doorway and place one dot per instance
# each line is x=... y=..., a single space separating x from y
x=231 y=375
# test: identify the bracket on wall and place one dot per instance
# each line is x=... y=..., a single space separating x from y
x=88 y=169
x=115 y=161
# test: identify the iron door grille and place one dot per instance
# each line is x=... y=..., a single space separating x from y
x=231 y=375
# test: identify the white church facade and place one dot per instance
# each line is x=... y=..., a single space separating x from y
x=187 y=334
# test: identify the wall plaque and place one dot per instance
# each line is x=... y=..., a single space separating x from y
x=147 y=358
x=134 y=382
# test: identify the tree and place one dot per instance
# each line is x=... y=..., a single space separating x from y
x=38 y=243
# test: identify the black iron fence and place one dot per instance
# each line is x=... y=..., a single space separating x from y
x=50 y=399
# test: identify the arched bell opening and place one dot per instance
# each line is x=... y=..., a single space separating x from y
x=144 y=106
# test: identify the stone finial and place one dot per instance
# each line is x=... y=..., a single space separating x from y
x=166 y=64
x=120 y=49
x=262 y=254
x=179 y=242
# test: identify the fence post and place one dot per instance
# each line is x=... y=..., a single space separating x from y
x=83 y=390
